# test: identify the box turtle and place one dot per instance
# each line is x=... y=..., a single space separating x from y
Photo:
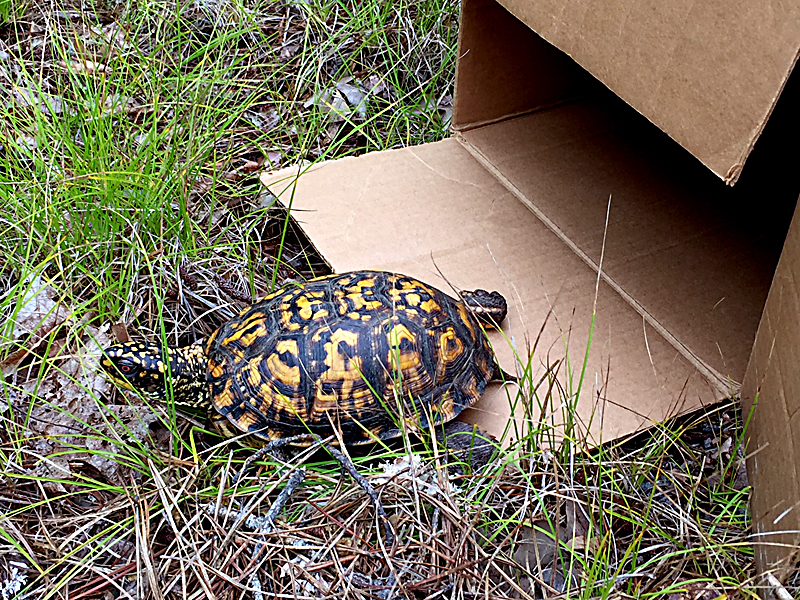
x=359 y=352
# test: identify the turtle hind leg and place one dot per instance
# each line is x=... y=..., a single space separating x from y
x=310 y=439
x=489 y=307
x=467 y=444
x=348 y=466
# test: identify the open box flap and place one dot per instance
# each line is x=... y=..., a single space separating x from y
x=505 y=69
x=706 y=73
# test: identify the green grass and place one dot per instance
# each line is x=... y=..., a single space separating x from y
x=128 y=160
x=131 y=135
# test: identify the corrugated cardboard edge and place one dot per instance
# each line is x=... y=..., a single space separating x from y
x=732 y=176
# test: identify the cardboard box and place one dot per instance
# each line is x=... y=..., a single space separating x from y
x=596 y=146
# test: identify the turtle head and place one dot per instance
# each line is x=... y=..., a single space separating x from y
x=145 y=368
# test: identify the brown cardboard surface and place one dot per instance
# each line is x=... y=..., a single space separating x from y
x=433 y=207
x=706 y=73
x=681 y=247
x=772 y=379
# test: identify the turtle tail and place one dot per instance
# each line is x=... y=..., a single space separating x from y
x=489 y=307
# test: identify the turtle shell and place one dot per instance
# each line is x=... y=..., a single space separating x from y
x=358 y=352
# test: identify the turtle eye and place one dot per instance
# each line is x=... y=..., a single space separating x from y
x=127 y=368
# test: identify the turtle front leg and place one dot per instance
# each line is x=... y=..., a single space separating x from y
x=222 y=425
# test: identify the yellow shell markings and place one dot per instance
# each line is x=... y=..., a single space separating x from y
x=412 y=305
x=445 y=405
x=398 y=359
x=472 y=387
x=413 y=299
x=466 y=319
x=216 y=369
x=306 y=307
x=408 y=376
x=341 y=367
x=360 y=285
x=287 y=323
x=450 y=345
x=245 y=337
x=253 y=316
x=396 y=296
x=430 y=306
x=246 y=420
x=224 y=399
x=445 y=369
x=359 y=302
x=323 y=405
x=340 y=302
x=344 y=375
x=278 y=371
x=288 y=375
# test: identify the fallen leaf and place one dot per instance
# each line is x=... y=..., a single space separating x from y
x=85 y=67
x=288 y=51
x=37 y=313
x=53 y=469
x=65 y=414
x=45 y=103
x=577 y=523
x=120 y=332
x=355 y=96
x=263 y=121
x=376 y=86
x=330 y=102
x=536 y=546
x=274 y=159
x=446 y=110
x=251 y=166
